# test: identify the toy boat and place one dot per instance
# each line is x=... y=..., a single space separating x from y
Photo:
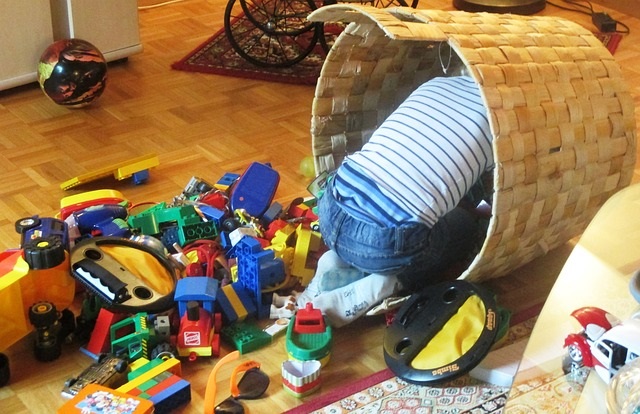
x=308 y=336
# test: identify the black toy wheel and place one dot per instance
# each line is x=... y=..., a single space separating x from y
x=43 y=314
x=271 y=33
x=5 y=372
x=48 y=350
x=44 y=252
x=121 y=366
x=25 y=224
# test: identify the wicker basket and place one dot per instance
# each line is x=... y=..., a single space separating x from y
x=561 y=114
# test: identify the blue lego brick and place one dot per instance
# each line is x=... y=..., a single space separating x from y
x=140 y=177
x=245 y=337
x=214 y=214
x=170 y=398
x=228 y=179
x=258 y=269
x=228 y=307
x=273 y=212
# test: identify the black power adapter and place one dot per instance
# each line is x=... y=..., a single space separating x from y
x=604 y=22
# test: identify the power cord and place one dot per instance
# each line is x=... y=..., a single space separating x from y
x=603 y=21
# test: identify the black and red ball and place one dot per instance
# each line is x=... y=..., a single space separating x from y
x=72 y=72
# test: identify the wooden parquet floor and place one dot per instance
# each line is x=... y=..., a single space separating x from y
x=199 y=125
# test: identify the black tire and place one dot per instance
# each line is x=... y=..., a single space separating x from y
x=67 y=325
x=44 y=252
x=43 y=314
x=271 y=33
x=121 y=366
x=5 y=372
x=161 y=350
x=48 y=351
x=26 y=223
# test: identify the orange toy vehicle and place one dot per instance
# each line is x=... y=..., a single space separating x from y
x=35 y=284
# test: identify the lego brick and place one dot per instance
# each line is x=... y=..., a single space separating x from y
x=100 y=341
x=167 y=365
x=245 y=337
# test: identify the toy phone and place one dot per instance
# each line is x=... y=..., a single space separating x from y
x=255 y=189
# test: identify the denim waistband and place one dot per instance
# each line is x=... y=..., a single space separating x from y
x=367 y=245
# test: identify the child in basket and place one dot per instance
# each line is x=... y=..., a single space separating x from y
x=392 y=213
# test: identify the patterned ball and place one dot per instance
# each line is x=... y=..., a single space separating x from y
x=72 y=72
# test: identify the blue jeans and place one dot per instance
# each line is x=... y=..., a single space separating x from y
x=418 y=255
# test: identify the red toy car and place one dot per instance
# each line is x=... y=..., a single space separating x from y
x=605 y=343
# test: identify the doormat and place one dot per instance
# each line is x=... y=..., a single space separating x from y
x=217 y=56
x=383 y=392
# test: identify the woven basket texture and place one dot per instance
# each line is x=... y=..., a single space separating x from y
x=561 y=114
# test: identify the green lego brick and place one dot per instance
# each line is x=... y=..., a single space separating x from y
x=245 y=337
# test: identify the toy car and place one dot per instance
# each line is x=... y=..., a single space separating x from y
x=605 y=343
x=110 y=371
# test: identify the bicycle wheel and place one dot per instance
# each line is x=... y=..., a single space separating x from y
x=273 y=33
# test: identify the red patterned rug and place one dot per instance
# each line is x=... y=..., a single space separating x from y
x=383 y=392
x=217 y=56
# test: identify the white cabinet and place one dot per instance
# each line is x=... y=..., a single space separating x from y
x=25 y=32
x=110 y=25
x=28 y=27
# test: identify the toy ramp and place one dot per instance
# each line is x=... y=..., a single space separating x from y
x=561 y=115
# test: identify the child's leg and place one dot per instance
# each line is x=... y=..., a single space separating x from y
x=451 y=241
x=331 y=273
x=346 y=304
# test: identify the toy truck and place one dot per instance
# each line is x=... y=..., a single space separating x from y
x=35 y=281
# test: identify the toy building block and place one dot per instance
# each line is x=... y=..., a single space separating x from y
x=133 y=336
x=307 y=241
x=167 y=390
x=100 y=341
x=235 y=303
x=245 y=337
x=199 y=288
x=273 y=212
x=159 y=381
x=131 y=168
x=226 y=181
x=171 y=365
x=258 y=269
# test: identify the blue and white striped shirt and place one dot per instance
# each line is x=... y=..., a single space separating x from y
x=424 y=157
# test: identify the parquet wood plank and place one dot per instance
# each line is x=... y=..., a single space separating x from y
x=198 y=125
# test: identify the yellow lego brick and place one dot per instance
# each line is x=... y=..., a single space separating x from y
x=172 y=365
x=120 y=171
x=235 y=302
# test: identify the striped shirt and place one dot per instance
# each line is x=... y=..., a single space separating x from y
x=423 y=158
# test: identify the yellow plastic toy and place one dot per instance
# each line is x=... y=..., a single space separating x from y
x=135 y=168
